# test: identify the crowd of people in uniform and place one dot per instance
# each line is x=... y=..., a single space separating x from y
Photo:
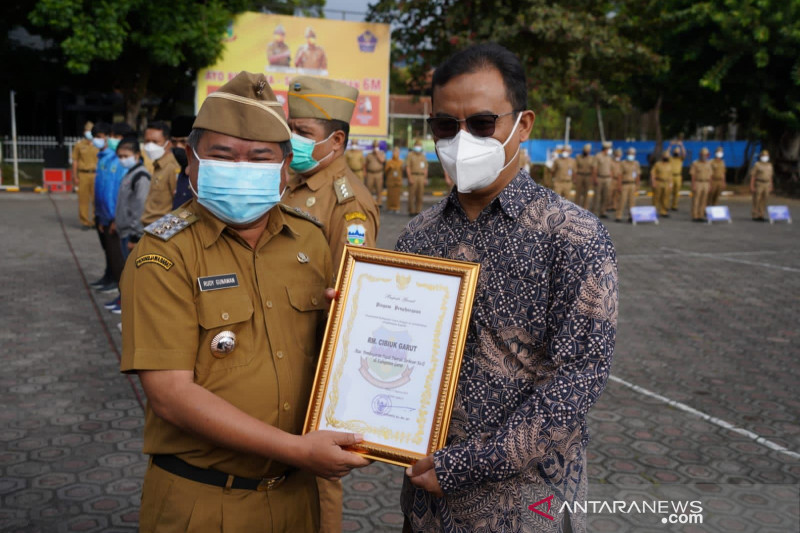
x=616 y=180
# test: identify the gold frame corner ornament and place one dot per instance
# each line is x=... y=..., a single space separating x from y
x=326 y=375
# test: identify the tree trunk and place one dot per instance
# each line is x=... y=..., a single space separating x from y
x=134 y=92
x=787 y=163
x=659 y=136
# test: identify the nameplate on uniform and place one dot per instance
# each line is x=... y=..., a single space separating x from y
x=644 y=213
x=777 y=213
x=213 y=283
x=718 y=213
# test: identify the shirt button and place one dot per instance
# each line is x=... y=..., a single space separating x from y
x=314 y=300
x=269 y=304
x=225 y=316
x=286 y=406
x=279 y=354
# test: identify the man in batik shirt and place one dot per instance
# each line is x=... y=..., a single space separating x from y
x=541 y=337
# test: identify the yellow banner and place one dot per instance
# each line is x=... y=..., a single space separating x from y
x=356 y=53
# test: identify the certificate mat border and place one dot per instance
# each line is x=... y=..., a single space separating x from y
x=468 y=272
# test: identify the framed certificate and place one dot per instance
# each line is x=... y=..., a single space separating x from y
x=392 y=352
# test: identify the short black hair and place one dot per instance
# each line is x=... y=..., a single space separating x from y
x=130 y=143
x=197 y=133
x=487 y=55
x=101 y=128
x=336 y=125
x=122 y=129
x=161 y=126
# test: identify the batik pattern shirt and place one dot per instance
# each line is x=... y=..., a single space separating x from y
x=537 y=357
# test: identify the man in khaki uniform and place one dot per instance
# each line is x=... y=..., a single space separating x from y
x=661 y=182
x=761 y=185
x=394 y=181
x=676 y=164
x=629 y=176
x=601 y=180
x=717 y=176
x=583 y=176
x=375 y=161
x=166 y=168
x=84 y=166
x=417 y=174
x=319 y=113
x=563 y=170
x=355 y=160
x=221 y=321
x=278 y=52
x=700 y=171
x=616 y=180
x=311 y=55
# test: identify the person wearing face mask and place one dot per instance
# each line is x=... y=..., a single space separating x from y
x=394 y=181
x=545 y=309
x=181 y=127
x=223 y=304
x=661 y=182
x=717 y=176
x=700 y=171
x=616 y=180
x=84 y=166
x=133 y=191
x=323 y=185
x=158 y=150
x=417 y=175
x=311 y=55
x=678 y=152
x=583 y=176
x=601 y=180
x=278 y=52
x=375 y=160
x=760 y=177
x=629 y=178
x=563 y=172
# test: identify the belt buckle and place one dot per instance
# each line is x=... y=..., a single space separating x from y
x=269 y=483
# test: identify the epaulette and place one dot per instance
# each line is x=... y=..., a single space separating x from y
x=171 y=224
x=343 y=191
x=296 y=211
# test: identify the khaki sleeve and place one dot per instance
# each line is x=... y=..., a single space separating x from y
x=344 y=231
x=159 y=315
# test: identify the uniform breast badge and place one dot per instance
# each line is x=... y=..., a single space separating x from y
x=223 y=343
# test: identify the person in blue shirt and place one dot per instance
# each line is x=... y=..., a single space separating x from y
x=100 y=134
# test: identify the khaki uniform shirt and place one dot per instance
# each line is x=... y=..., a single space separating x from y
x=616 y=168
x=717 y=170
x=662 y=172
x=311 y=57
x=602 y=163
x=701 y=171
x=584 y=164
x=676 y=164
x=273 y=301
x=762 y=172
x=85 y=153
x=416 y=163
x=374 y=164
x=278 y=54
x=394 y=168
x=355 y=159
x=631 y=171
x=162 y=188
x=563 y=169
x=343 y=205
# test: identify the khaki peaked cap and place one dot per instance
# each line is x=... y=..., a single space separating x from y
x=311 y=97
x=246 y=108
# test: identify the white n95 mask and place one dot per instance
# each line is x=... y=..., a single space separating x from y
x=472 y=162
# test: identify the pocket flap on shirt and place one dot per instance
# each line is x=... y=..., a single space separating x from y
x=217 y=309
x=307 y=298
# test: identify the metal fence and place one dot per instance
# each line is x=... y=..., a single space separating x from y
x=30 y=148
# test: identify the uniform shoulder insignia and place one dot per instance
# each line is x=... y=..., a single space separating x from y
x=296 y=211
x=343 y=191
x=171 y=224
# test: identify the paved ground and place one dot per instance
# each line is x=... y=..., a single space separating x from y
x=702 y=405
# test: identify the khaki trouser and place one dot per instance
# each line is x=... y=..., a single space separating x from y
x=330 y=505
x=677 y=183
x=394 y=189
x=583 y=182
x=415 y=191
x=602 y=196
x=627 y=199
x=716 y=190
x=661 y=197
x=375 y=185
x=700 y=199
x=760 y=199
x=563 y=188
x=86 y=197
x=171 y=503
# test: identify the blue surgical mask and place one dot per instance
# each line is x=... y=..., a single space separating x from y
x=88 y=135
x=113 y=143
x=418 y=149
x=237 y=193
x=128 y=162
x=631 y=157
x=99 y=143
x=303 y=147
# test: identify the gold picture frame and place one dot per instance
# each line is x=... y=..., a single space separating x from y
x=395 y=335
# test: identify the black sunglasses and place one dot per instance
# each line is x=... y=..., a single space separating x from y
x=480 y=125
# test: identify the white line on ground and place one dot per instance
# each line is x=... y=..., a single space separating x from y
x=708 y=418
x=733 y=260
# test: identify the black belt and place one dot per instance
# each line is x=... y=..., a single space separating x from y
x=87 y=170
x=181 y=468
